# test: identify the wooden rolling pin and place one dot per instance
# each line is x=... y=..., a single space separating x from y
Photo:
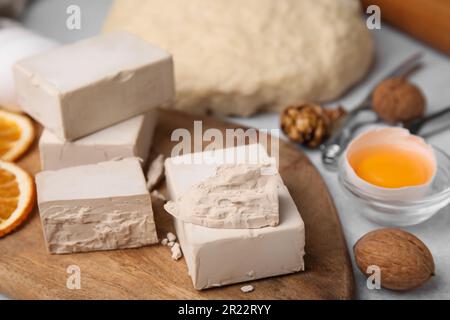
x=427 y=20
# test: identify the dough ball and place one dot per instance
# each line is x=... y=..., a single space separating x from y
x=238 y=57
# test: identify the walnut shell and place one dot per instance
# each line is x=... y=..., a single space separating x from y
x=405 y=262
x=397 y=100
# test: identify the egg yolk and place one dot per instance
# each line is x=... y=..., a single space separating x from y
x=391 y=166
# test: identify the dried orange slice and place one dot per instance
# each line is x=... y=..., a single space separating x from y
x=17 y=195
x=16 y=135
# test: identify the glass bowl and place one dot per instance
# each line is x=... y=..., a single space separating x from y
x=403 y=213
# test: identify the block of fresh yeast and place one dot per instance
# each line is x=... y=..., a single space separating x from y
x=216 y=256
x=102 y=206
x=80 y=88
x=129 y=138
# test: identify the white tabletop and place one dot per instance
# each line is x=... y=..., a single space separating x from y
x=48 y=17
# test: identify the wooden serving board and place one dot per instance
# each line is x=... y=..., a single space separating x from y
x=27 y=271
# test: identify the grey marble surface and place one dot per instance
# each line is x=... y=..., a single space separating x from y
x=48 y=17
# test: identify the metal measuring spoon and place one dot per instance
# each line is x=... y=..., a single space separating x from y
x=335 y=145
x=415 y=126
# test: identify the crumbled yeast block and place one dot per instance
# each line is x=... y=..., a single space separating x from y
x=237 y=197
x=80 y=88
x=130 y=138
x=217 y=257
x=103 y=206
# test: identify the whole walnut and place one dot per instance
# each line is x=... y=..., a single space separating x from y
x=308 y=123
x=398 y=100
x=404 y=261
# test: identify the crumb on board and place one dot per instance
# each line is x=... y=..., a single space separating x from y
x=171 y=237
x=176 y=251
x=247 y=288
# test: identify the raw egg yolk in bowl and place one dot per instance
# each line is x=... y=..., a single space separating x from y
x=390 y=163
